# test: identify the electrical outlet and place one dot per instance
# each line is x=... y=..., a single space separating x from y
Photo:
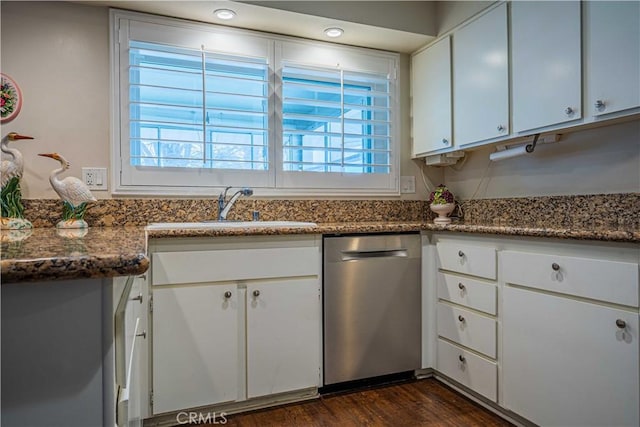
x=95 y=178
x=408 y=184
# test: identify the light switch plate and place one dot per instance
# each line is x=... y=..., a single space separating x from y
x=408 y=184
x=95 y=178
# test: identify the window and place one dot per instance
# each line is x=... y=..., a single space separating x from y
x=194 y=109
x=335 y=121
x=199 y=107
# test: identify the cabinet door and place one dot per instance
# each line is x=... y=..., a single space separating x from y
x=481 y=79
x=431 y=98
x=612 y=42
x=567 y=363
x=137 y=375
x=546 y=68
x=195 y=346
x=283 y=336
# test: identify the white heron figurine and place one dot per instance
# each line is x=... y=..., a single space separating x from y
x=74 y=193
x=14 y=165
x=10 y=175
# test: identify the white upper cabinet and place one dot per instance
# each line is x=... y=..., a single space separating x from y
x=431 y=98
x=546 y=63
x=481 y=79
x=612 y=56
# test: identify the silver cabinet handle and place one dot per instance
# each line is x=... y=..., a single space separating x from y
x=500 y=128
x=256 y=293
x=383 y=253
x=555 y=266
x=462 y=358
x=621 y=324
x=227 y=294
x=568 y=111
x=138 y=298
x=143 y=334
x=461 y=286
x=460 y=254
x=599 y=104
x=460 y=318
x=445 y=141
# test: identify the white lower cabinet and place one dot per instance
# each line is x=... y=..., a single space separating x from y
x=473 y=330
x=218 y=340
x=569 y=363
x=466 y=311
x=130 y=325
x=195 y=346
x=546 y=331
x=570 y=352
x=469 y=369
x=283 y=351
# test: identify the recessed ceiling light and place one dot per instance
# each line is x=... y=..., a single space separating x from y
x=225 y=14
x=334 y=32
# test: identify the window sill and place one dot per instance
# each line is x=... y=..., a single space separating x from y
x=258 y=192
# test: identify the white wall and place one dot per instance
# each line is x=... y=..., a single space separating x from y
x=452 y=13
x=602 y=160
x=412 y=16
x=59 y=55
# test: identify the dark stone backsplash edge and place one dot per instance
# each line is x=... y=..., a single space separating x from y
x=619 y=210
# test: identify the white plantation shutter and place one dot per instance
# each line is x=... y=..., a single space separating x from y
x=204 y=107
x=335 y=121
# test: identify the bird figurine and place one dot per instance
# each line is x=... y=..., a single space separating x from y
x=10 y=174
x=14 y=165
x=74 y=193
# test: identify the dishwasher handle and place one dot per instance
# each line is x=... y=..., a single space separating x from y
x=382 y=253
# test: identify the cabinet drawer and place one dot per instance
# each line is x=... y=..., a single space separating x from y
x=465 y=327
x=234 y=264
x=470 y=370
x=468 y=292
x=604 y=280
x=474 y=260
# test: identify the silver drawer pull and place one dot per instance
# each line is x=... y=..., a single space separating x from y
x=227 y=294
x=462 y=358
x=462 y=319
x=460 y=254
x=555 y=267
x=256 y=293
x=621 y=324
x=390 y=253
x=461 y=286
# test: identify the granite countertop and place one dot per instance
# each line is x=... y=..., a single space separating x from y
x=604 y=233
x=50 y=254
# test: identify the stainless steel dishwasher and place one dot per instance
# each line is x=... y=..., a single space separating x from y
x=371 y=306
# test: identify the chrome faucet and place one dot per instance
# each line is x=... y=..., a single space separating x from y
x=224 y=207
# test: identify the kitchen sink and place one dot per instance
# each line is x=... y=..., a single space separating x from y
x=228 y=224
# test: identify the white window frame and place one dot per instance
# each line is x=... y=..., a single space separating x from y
x=136 y=180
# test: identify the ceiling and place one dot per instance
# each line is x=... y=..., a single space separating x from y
x=398 y=26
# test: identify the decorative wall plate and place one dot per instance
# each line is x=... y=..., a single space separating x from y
x=10 y=99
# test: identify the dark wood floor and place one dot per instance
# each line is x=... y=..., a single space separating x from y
x=417 y=403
